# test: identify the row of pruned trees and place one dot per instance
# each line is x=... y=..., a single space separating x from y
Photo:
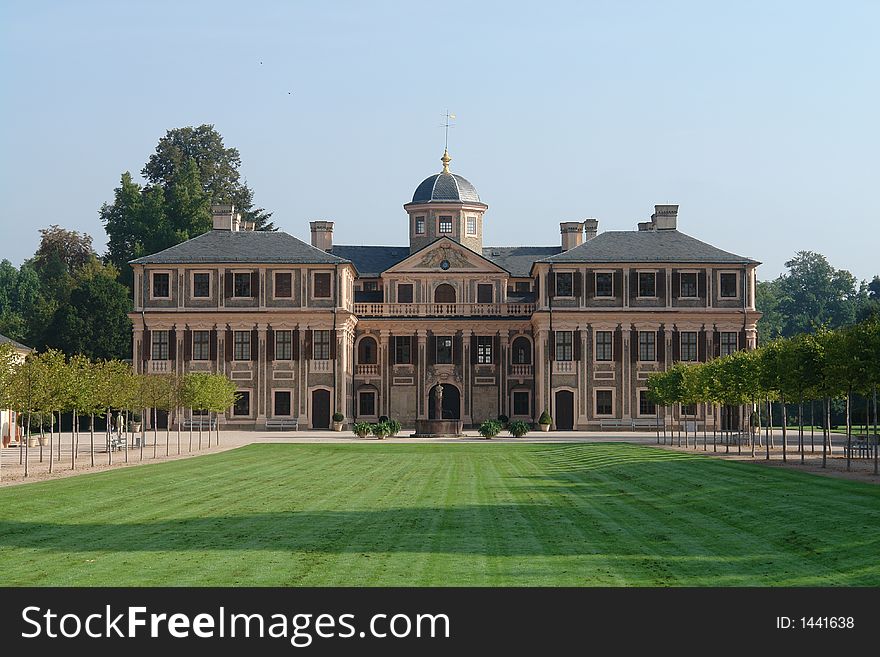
x=44 y=385
x=815 y=367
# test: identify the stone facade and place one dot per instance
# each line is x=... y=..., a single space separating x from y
x=307 y=331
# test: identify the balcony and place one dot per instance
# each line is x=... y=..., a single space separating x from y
x=521 y=371
x=444 y=309
x=563 y=367
x=320 y=366
x=160 y=366
x=367 y=370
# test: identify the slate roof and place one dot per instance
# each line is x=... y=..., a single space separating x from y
x=445 y=187
x=371 y=261
x=221 y=246
x=647 y=246
x=16 y=345
x=518 y=260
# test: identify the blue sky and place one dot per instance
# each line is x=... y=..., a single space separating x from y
x=758 y=118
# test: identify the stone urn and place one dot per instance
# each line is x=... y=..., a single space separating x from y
x=544 y=427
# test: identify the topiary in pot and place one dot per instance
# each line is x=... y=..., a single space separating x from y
x=338 y=419
x=393 y=427
x=545 y=421
x=518 y=428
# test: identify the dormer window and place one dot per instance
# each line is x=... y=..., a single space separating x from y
x=420 y=226
x=688 y=285
x=241 y=284
x=564 y=284
x=471 y=225
x=161 y=288
x=647 y=284
x=445 y=226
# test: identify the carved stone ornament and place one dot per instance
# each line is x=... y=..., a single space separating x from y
x=455 y=258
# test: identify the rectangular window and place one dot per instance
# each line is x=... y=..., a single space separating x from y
x=322 y=286
x=321 y=345
x=521 y=402
x=604 y=345
x=484 y=293
x=403 y=349
x=647 y=284
x=283 y=285
x=444 y=349
x=604 y=405
x=688 y=345
x=445 y=225
x=564 y=345
x=160 y=345
x=420 y=225
x=242 y=404
x=522 y=286
x=646 y=406
x=564 y=284
x=161 y=286
x=241 y=344
x=282 y=402
x=688 y=286
x=689 y=409
x=367 y=403
x=283 y=345
x=404 y=293
x=728 y=286
x=241 y=284
x=201 y=285
x=201 y=347
x=729 y=341
x=471 y=225
x=370 y=286
x=484 y=349
x=604 y=284
x=647 y=344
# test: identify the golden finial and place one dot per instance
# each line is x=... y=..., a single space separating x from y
x=445 y=160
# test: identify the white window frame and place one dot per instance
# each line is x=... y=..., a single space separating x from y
x=250 y=346
x=315 y=343
x=192 y=284
x=170 y=274
x=275 y=346
x=681 y=357
x=440 y=221
x=556 y=346
x=639 y=273
x=274 y=282
x=556 y=276
x=596 y=358
x=639 y=413
x=419 y=222
x=696 y=276
x=736 y=273
x=153 y=335
x=274 y=410
x=596 y=412
x=471 y=221
x=375 y=402
x=193 y=345
x=485 y=350
x=639 y=347
x=596 y=294
x=250 y=412
x=312 y=290
x=721 y=342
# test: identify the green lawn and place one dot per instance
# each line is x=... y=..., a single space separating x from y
x=453 y=514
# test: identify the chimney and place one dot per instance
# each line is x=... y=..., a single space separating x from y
x=572 y=234
x=665 y=217
x=225 y=217
x=591 y=228
x=322 y=234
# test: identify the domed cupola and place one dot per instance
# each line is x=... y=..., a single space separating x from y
x=446 y=205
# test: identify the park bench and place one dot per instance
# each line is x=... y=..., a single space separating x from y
x=614 y=423
x=198 y=422
x=861 y=448
x=645 y=423
x=291 y=424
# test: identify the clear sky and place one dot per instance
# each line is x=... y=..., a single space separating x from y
x=759 y=118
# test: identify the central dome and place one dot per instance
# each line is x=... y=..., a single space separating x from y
x=445 y=187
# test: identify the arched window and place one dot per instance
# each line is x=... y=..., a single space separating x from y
x=521 y=351
x=367 y=351
x=444 y=293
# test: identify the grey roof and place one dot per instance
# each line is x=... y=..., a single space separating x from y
x=647 y=246
x=518 y=260
x=371 y=261
x=16 y=345
x=220 y=246
x=445 y=187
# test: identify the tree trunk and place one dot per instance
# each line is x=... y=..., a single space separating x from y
x=177 y=417
x=73 y=441
x=26 y=441
x=848 y=429
x=767 y=431
x=801 y=429
x=876 y=435
x=51 y=439
x=190 y=428
x=42 y=437
x=107 y=437
x=125 y=431
x=784 y=435
x=770 y=421
x=155 y=432
x=751 y=437
x=168 y=434
x=200 y=433
x=59 y=436
x=812 y=428
x=826 y=429
x=143 y=431
x=92 y=439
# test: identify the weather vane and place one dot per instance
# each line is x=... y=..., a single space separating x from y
x=446 y=125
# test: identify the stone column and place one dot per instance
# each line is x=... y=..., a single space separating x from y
x=384 y=364
x=421 y=374
x=467 y=377
x=540 y=372
x=260 y=377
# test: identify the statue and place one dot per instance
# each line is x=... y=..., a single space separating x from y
x=438 y=402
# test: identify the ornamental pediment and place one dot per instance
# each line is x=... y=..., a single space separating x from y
x=445 y=256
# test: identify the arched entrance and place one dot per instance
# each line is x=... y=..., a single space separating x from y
x=320 y=409
x=451 y=403
x=564 y=410
x=444 y=293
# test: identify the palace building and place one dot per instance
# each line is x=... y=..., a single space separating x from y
x=307 y=330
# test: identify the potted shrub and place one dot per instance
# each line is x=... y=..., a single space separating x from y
x=545 y=421
x=518 y=428
x=380 y=429
x=393 y=427
x=338 y=419
x=503 y=420
x=134 y=424
x=489 y=429
x=361 y=429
